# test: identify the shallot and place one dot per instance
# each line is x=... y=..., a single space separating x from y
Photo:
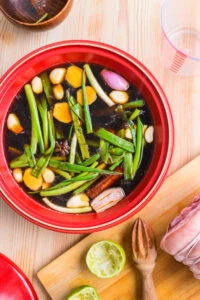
x=114 y=80
x=107 y=199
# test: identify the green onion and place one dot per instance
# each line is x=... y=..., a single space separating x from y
x=47 y=88
x=43 y=17
x=36 y=133
x=79 y=132
x=88 y=121
x=115 y=140
x=43 y=161
x=91 y=160
x=94 y=83
x=65 y=166
x=42 y=107
x=19 y=162
x=72 y=153
x=30 y=157
x=116 y=164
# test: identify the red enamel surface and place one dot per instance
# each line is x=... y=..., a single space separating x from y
x=13 y=282
x=111 y=57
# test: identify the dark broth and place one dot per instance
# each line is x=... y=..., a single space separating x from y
x=102 y=116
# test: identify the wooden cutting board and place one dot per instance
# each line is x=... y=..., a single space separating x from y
x=173 y=280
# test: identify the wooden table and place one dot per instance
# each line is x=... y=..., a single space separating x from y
x=134 y=26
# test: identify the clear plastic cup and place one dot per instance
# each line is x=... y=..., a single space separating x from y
x=180 y=47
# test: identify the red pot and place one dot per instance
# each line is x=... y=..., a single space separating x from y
x=113 y=58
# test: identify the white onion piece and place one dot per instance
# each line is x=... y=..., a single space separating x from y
x=66 y=209
x=114 y=80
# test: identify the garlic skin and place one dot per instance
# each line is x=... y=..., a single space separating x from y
x=107 y=199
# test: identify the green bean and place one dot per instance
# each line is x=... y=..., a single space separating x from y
x=36 y=133
x=134 y=104
x=61 y=173
x=115 y=140
x=128 y=166
x=103 y=150
x=139 y=145
x=135 y=114
x=116 y=151
x=65 y=166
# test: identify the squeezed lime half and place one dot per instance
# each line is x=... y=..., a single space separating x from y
x=106 y=259
x=84 y=292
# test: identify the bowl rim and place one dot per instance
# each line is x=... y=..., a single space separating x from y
x=43 y=23
x=170 y=141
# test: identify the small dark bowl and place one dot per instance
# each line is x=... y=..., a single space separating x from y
x=28 y=12
x=110 y=57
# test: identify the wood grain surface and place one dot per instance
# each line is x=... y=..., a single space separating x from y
x=134 y=26
x=69 y=270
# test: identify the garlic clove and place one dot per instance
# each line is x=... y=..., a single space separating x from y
x=80 y=200
x=119 y=97
x=149 y=134
x=37 y=85
x=107 y=199
x=57 y=75
x=58 y=91
x=13 y=123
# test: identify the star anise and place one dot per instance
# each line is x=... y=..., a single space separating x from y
x=62 y=148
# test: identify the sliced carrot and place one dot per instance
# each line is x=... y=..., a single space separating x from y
x=90 y=93
x=74 y=76
x=13 y=123
x=61 y=112
x=33 y=183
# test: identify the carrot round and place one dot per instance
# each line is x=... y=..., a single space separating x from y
x=90 y=93
x=74 y=76
x=33 y=183
x=61 y=112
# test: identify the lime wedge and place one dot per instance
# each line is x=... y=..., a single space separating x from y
x=105 y=259
x=84 y=292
